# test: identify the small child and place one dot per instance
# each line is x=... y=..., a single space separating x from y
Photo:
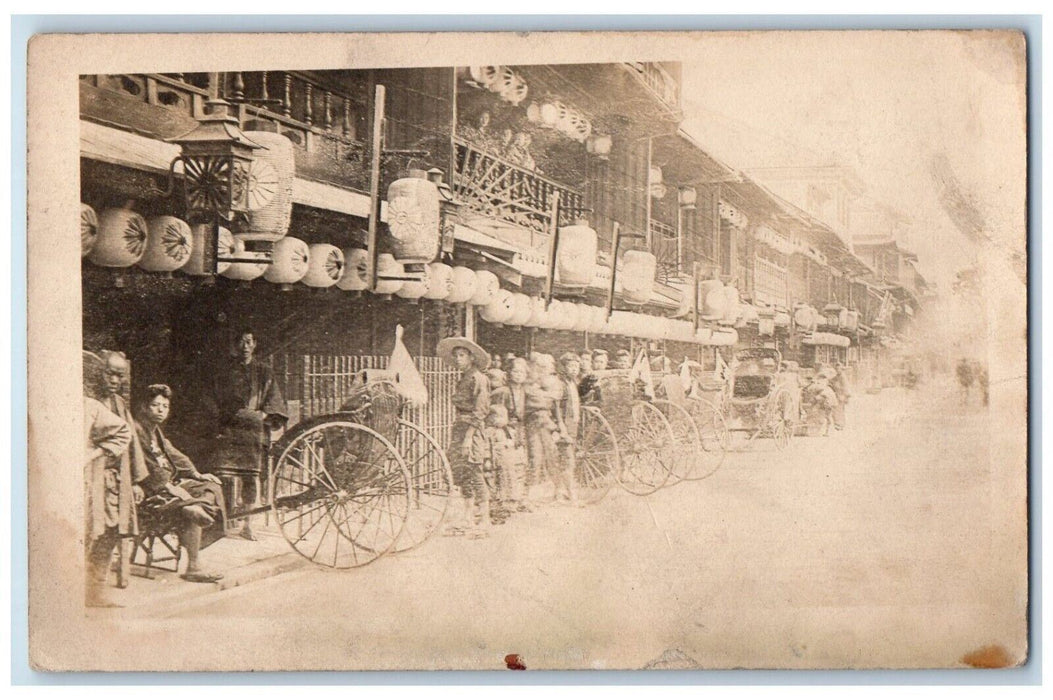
x=498 y=464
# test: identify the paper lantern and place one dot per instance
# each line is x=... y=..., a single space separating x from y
x=851 y=321
x=462 y=285
x=241 y=271
x=687 y=196
x=440 y=281
x=290 y=259
x=121 y=241
x=732 y=309
x=571 y=316
x=806 y=317
x=486 y=288
x=199 y=233
x=484 y=75
x=533 y=113
x=713 y=303
x=417 y=288
x=552 y=113
x=513 y=88
x=521 y=309
x=325 y=266
x=576 y=257
x=782 y=319
x=656 y=175
x=538 y=313
x=387 y=266
x=413 y=234
x=748 y=314
x=89 y=229
x=704 y=336
x=499 y=310
x=599 y=145
x=637 y=276
x=724 y=337
x=766 y=326
x=269 y=180
x=354 y=278
x=168 y=244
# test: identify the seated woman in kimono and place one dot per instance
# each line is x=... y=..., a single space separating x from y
x=175 y=488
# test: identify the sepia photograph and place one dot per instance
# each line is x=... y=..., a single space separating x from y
x=550 y=351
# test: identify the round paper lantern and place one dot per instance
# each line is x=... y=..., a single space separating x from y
x=499 y=310
x=356 y=266
x=704 y=336
x=387 y=266
x=571 y=316
x=325 y=266
x=782 y=319
x=415 y=289
x=269 y=180
x=195 y=265
x=243 y=272
x=440 y=281
x=598 y=319
x=806 y=317
x=463 y=285
x=521 y=308
x=732 y=310
x=413 y=234
x=484 y=75
x=290 y=260
x=486 y=288
x=766 y=326
x=121 y=240
x=656 y=175
x=576 y=258
x=168 y=244
x=89 y=229
x=533 y=113
x=537 y=313
x=749 y=314
x=852 y=321
x=711 y=298
x=552 y=113
x=637 y=276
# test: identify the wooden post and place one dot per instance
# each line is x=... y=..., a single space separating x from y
x=553 y=249
x=374 y=183
x=616 y=240
x=694 y=292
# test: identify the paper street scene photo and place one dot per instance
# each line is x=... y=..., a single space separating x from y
x=709 y=362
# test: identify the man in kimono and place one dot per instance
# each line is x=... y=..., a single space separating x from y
x=106 y=441
x=247 y=405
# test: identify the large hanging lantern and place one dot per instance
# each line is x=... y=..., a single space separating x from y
x=89 y=229
x=325 y=266
x=121 y=241
x=782 y=319
x=200 y=235
x=269 y=181
x=484 y=75
x=463 y=285
x=415 y=289
x=290 y=260
x=168 y=244
x=576 y=258
x=732 y=309
x=387 y=266
x=555 y=316
x=748 y=314
x=571 y=316
x=354 y=277
x=599 y=145
x=440 y=283
x=655 y=175
x=806 y=317
x=521 y=309
x=240 y=271
x=537 y=312
x=552 y=114
x=216 y=156
x=637 y=276
x=851 y=321
x=686 y=197
x=713 y=303
x=499 y=310
x=413 y=233
x=486 y=288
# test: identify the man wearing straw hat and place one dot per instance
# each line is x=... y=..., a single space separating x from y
x=468 y=447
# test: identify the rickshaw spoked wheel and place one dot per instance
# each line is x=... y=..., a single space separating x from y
x=431 y=484
x=596 y=458
x=340 y=492
x=644 y=448
x=687 y=447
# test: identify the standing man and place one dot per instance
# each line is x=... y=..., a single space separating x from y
x=468 y=445
x=247 y=405
x=106 y=441
x=623 y=359
x=568 y=415
x=839 y=384
x=513 y=398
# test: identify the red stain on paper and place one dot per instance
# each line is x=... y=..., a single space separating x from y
x=514 y=662
x=992 y=656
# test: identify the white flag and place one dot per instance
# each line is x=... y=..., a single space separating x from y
x=685 y=376
x=408 y=381
x=641 y=371
x=720 y=371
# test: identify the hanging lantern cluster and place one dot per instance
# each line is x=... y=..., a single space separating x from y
x=502 y=80
x=732 y=215
x=564 y=119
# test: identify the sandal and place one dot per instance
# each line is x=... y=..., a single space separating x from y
x=201 y=577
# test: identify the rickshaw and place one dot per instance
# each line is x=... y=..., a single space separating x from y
x=764 y=402
x=698 y=423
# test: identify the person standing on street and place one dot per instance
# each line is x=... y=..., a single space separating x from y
x=541 y=396
x=513 y=398
x=468 y=445
x=568 y=415
x=839 y=385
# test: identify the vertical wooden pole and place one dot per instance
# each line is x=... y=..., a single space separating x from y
x=647 y=201
x=694 y=294
x=615 y=243
x=374 y=183
x=553 y=249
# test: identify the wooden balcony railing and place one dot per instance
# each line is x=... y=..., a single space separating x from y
x=665 y=246
x=494 y=187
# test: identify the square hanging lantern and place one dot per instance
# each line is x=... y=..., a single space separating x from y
x=216 y=156
x=687 y=197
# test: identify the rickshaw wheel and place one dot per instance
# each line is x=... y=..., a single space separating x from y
x=431 y=484
x=596 y=463
x=782 y=425
x=340 y=492
x=645 y=450
x=715 y=438
x=687 y=446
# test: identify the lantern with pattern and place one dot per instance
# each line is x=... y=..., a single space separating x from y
x=415 y=289
x=241 y=271
x=356 y=265
x=637 y=276
x=387 y=266
x=576 y=257
x=290 y=260
x=462 y=285
x=486 y=288
x=200 y=234
x=440 y=281
x=325 y=266
x=269 y=183
x=168 y=244
x=499 y=310
x=413 y=233
x=121 y=241
x=89 y=229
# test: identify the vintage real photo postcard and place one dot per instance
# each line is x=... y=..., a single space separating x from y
x=530 y=351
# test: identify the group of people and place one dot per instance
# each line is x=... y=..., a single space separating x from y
x=134 y=477
x=826 y=397
x=509 y=145
x=516 y=425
